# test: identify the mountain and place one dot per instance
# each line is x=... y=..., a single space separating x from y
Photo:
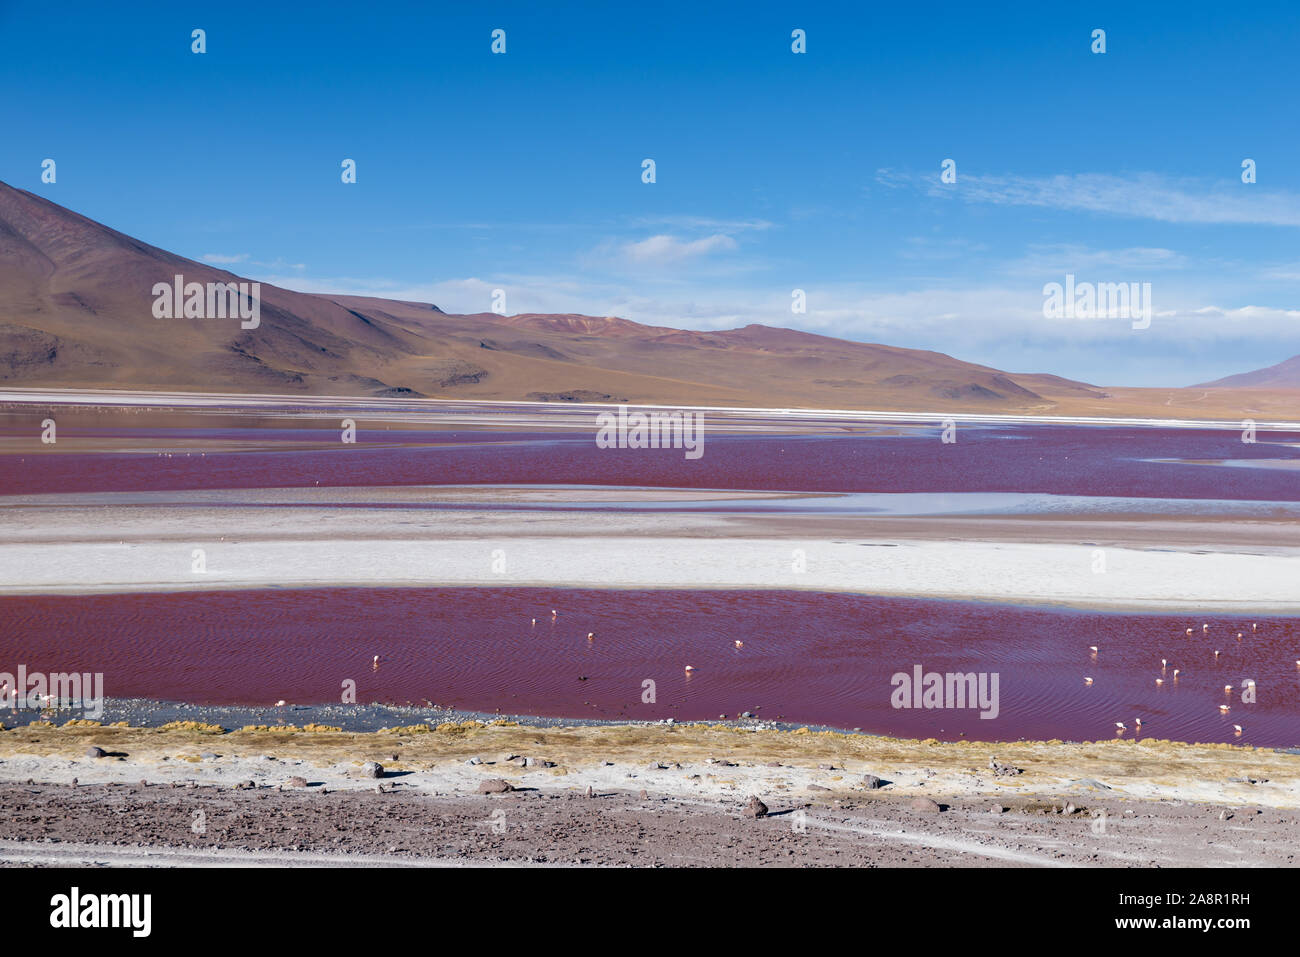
x=1284 y=375
x=77 y=311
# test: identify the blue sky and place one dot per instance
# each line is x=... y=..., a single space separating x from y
x=775 y=171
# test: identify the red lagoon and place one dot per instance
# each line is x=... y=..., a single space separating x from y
x=805 y=657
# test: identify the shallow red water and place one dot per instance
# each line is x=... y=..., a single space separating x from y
x=1073 y=460
x=808 y=658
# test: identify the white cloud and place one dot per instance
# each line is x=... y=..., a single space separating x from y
x=1061 y=258
x=665 y=250
x=1140 y=196
x=704 y=222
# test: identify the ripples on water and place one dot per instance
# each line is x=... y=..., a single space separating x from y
x=1059 y=460
x=808 y=658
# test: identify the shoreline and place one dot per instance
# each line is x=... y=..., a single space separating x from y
x=168 y=400
x=468 y=792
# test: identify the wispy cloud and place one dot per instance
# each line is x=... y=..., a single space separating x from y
x=220 y=259
x=705 y=222
x=1140 y=196
x=1073 y=258
x=665 y=250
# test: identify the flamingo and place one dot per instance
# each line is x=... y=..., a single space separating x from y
x=1120 y=726
x=1093 y=649
x=1175 y=674
x=591 y=635
x=1236 y=729
x=1224 y=709
x=1160 y=681
x=1087 y=681
x=740 y=644
x=1189 y=631
x=690 y=667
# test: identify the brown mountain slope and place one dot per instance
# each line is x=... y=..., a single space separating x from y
x=1284 y=375
x=76 y=312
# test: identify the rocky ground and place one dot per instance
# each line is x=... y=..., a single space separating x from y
x=504 y=793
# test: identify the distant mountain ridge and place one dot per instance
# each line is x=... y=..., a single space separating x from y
x=75 y=312
x=1284 y=375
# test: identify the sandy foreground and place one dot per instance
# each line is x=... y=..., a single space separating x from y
x=659 y=795
x=117 y=543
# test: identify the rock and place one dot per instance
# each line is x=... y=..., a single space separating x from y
x=872 y=782
x=372 y=769
x=654 y=766
x=817 y=787
x=297 y=782
x=997 y=809
x=96 y=753
x=494 y=786
x=590 y=793
x=747 y=714
x=643 y=796
x=538 y=763
x=825 y=767
x=1070 y=809
x=755 y=808
x=925 y=804
x=475 y=760
x=1224 y=816
x=208 y=756
x=1001 y=770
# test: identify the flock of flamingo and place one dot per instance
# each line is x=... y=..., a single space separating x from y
x=591 y=636
x=1121 y=727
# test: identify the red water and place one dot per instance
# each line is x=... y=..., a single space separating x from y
x=807 y=658
x=1063 y=460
